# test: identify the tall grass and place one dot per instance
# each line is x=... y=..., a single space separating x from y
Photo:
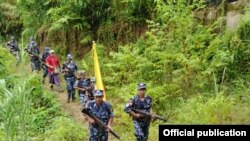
x=27 y=110
x=14 y=111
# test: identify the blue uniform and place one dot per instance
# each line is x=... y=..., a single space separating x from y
x=70 y=78
x=14 y=49
x=35 y=62
x=45 y=68
x=142 y=124
x=83 y=83
x=104 y=112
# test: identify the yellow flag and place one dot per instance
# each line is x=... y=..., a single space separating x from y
x=99 y=84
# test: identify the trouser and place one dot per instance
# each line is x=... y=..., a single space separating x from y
x=98 y=134
x=45 y=72
x=141 y=130
x=70 y=81
x=83 y=99
x=35 y=65
x=16 y=55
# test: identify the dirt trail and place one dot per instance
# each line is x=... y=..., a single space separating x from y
x=73 y=108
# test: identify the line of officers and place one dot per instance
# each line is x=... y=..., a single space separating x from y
x=90 y=97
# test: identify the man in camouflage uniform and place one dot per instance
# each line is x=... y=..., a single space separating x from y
x=69 y=69
x=84 y=87
x=13 y=47
x=45 y=68
x=104 y=112
x=144 y=103
x=34 y=55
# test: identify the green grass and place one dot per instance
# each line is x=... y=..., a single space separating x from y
x=28 y=111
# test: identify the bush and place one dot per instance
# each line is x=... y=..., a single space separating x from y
x=64 y=129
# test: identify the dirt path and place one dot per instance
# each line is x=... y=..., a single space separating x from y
x=73 y=109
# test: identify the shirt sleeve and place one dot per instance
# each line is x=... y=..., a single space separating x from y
x=149 y=102
x=88 y=106
x=76 y=84
x=110 y=111
x=128 y=106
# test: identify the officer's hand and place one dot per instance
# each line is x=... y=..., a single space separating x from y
x=109 y=128
x=153 y=117
x=91 y=121
x=137 y=115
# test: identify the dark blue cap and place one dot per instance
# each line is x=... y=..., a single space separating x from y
x=98 y=93
x=46 y=49
x=69 y=56
x=141 y=86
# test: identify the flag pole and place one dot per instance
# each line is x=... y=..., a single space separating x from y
x=99 y=83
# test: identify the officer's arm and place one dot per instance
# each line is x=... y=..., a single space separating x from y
x=151 y=111
x=152 y=114
x=111 y=116
x=132 y=113
x=78 y=88
x=64 y=68
x=128 y=108
x=76 y=69
x=110 y=121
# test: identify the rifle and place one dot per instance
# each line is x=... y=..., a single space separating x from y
x=146 y=114
x=100 y=123
x=29 y=52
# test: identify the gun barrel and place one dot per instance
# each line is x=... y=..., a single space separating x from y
x=148 y=114
x=161 y=118
x=100 y=123
x=114 y=134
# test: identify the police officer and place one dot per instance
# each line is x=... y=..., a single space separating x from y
x=69 y=68
x=104 y=112
x=92 y=88
x=141 y=102
x=83 y=86
x=13 y=47
x=32 y=47
x=45 y=68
